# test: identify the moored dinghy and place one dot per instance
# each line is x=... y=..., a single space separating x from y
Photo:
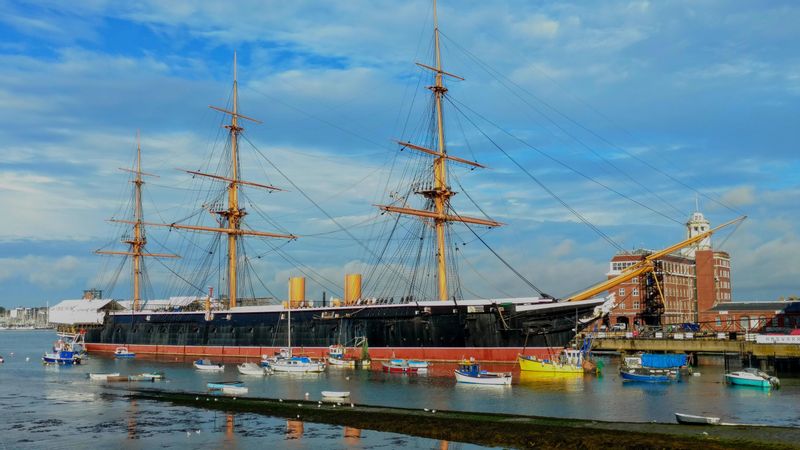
x=218 y=385
x=752 y=377
x=254 y=369
x=207 y=365
x=689 y=419
x=102 y=376
x=123 y=352
x=335 y=394
x=470 y=372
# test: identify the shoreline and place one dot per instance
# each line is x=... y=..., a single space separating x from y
x=492 y=429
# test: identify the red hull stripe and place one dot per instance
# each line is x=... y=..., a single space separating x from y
x=483 y=354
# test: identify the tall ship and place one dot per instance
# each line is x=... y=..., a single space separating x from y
x=414 y=310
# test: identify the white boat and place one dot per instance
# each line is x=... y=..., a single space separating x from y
x=689 y=419
x=207 y=365
x=153 y=375
x=237 y=390
x=102 y=376
x=294 y=364
x=298 y=364
x=419 y=365
x=249 y=368
x=335 y=394
x=470 y=372
x=337 y=358
x=122 y=352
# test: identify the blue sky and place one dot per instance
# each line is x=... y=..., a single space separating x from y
x=708 y=92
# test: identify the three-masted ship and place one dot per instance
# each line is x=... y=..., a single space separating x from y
x=444 y=326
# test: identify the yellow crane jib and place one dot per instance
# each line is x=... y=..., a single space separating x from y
x=646 y=265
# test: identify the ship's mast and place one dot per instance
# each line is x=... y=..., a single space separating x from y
x=138 y=242
x=441 y=193
x=233 y=214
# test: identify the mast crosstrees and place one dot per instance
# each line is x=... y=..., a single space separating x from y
x=441 y=193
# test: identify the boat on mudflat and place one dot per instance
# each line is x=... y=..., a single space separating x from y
x=689 y=419
x=335 y=394
x=398 y=366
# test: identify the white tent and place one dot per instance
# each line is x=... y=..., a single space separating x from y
x=75 y=312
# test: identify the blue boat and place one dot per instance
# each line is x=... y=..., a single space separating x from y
x=61 y=357
x=645 y=376
x=633 y=369
x=220 y=385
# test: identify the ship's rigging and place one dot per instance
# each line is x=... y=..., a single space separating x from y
x=415 y=259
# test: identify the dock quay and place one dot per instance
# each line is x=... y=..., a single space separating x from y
x=505 y=430
x=769 y=355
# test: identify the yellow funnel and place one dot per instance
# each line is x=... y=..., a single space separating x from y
x=352 y=288
x=297 y=291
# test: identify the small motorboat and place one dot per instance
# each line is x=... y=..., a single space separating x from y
x=689 y=419
x=62 y=358
x=219 y=385
x=298 y=364
x=249 y=368
x=102 y=376
x=207 y=365
x=337 y=358
x=470 y=372
x=752 y=377
x=335 y=394
x=153 y=375
x=122 y=352
x=234 y=390
x=399 y=366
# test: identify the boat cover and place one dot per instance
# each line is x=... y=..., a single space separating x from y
x=665 y=361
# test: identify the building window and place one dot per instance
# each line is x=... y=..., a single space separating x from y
x=635 y=291
x=622 y=306
x=635 y=280
x=744 y=322
x=621 y=291
x=636 y=305
x=718 y=322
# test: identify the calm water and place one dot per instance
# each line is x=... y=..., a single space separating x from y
x=59 y=407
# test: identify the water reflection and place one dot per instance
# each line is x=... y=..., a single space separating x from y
x=294 y=429
x=132 y=409
x=352 y=435
x=563 y=382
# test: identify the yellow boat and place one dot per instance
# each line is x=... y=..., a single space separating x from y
x=570 y=362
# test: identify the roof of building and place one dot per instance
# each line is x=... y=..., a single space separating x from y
x=791 y=306
x=82 y=311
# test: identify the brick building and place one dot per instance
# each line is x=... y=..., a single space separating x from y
x=754 y=317
x=682 y=285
